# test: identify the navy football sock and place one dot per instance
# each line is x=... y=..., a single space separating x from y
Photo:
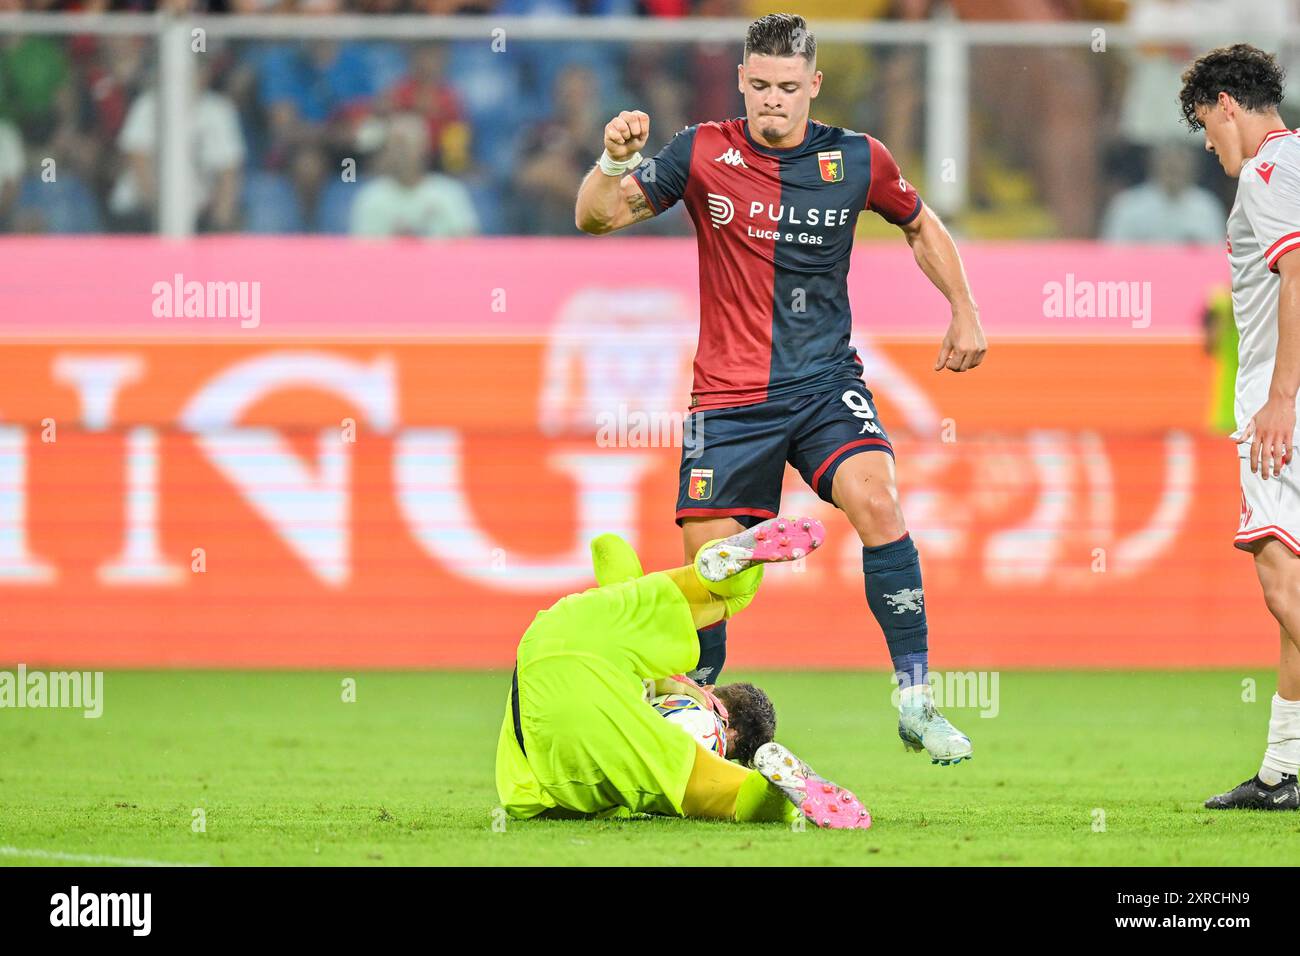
x=713 y=654
x=912 y=669
x=894 y=593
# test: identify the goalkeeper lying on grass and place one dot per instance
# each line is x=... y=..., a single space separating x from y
x=579 y=737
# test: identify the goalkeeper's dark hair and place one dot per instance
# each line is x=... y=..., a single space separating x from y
x=781 y=34
x=751 y=715
x=1249 y=75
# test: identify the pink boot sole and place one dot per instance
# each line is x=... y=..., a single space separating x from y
x=826 y=804
x=786 y=539
x=834 y=808
x=776 y=539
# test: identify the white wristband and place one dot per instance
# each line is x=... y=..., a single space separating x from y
x=617 y=167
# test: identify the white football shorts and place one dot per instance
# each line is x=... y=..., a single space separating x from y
x=1270 y=509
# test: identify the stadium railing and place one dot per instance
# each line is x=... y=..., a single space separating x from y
x=947 y=74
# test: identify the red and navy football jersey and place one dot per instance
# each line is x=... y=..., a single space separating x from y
x=774 y=229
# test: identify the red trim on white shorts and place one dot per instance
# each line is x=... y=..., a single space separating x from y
x=1269 y=531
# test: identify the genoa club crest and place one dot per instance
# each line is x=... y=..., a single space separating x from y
x=831 y=165
x=700 y=487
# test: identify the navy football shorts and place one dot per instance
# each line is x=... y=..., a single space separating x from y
x=733 y=459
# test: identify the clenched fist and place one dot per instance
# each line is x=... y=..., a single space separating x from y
x=626 y=134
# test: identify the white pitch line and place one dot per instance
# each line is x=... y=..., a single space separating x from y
x=87 y=858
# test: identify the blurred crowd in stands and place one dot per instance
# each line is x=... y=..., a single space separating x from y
x=454 y=138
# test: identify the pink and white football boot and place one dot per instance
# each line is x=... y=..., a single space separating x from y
x=825 y=804
x=776 y=539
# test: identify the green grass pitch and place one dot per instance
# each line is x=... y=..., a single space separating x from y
x=286 y=773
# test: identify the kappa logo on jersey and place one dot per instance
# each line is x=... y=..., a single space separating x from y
x=700 y=487
x=908 y=599
x=732 y=157
x=1265 y=171
x=831 y=165
x=721 y=210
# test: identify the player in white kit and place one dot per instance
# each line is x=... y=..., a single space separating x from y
x=1233 y=94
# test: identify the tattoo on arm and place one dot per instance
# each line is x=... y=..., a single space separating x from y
x=639 y=208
